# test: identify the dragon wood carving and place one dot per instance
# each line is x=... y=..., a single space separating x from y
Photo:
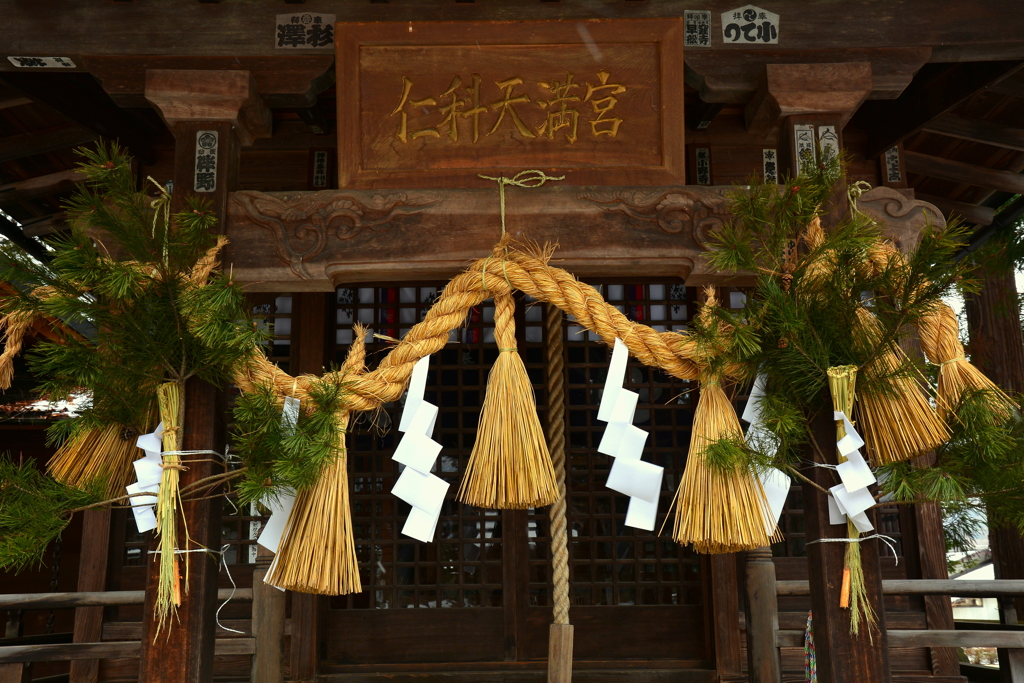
x=673 y=210
x=302 y=223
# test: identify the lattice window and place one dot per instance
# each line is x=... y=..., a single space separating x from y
x=463 y=566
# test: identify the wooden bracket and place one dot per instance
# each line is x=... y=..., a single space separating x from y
x=794 y=89
x=186 y=95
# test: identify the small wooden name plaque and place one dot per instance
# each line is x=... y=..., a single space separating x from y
x=432 y=104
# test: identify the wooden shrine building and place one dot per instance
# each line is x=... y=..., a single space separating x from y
x=341 y=143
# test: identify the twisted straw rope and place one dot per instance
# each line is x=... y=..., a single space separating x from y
x=555 y=386
x=496 y=275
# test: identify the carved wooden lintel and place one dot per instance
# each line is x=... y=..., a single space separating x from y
x=315 y=241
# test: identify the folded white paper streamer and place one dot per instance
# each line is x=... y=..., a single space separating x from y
x=613 y=382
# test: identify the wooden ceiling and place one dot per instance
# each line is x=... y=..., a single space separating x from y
x=959 y=120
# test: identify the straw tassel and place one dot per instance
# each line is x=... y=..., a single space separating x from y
x=317 y=553
x=716 y=511
x=940 y=340
x=510 y=467
x=171 y=400
x=899 y=425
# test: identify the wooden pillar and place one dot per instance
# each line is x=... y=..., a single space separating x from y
x=183 y=651
x=997 y=349
x=725 y=598
x=762 y=618
x=268 y=607
x=309 y=355
x=92 y=576
x=210 y=114
x=842 y=656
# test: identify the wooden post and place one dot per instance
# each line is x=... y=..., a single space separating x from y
x=210 y=113
x=309 y=349
x=997 y=348
x=92 y=576
x=16 y=672
x=842 y=656
x=268 y=604
x=725 y=598
x=183 y=650
x=762 y=618
x=560 y=653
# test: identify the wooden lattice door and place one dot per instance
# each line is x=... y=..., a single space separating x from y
x=481 y=591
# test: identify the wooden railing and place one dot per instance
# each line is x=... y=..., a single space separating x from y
x=764 y=636
x=14 y=657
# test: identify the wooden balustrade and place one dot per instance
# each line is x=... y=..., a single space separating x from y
x=764 y=636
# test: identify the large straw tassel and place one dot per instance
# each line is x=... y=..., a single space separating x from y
x=900 y=424
x=318 y=552
x=716 y=511
x=940 y=340
x=510 y=467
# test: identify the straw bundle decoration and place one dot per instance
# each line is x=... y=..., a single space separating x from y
x=717 y=511
x=317 y=553
x=899 y=424
x=940 y=340
x=510 y=467
x=170 y=398
x=842 y=381
x=103 y=451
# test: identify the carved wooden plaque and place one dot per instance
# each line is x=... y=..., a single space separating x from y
x=433 y=104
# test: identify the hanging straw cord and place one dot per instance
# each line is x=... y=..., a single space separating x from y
x=521 y=179
x=486 y=278
x=555 y=393
x=223 y=563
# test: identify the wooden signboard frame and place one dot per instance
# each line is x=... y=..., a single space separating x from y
x=372 y=60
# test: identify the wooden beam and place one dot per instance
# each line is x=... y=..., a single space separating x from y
x=976 y=130
x=928 y=638
x=268 y=609
x=1012 y=86
x=96 y=598
x=12 y=101
x=34 y=248
x=972 y=213
x=934 y=92
x=29 y=144
x=725 y=591
x=45 y=225
x=733 y=77
x=350 y=236
x=80 y=98
x=108 y=650
x=40 y=186
x=959 y=588
x=187 y=27
x=963 y=173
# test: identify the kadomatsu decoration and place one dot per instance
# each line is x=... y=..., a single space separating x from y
x=141 y=286
x=807 y=313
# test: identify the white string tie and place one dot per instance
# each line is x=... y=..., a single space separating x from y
x=888 y=540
